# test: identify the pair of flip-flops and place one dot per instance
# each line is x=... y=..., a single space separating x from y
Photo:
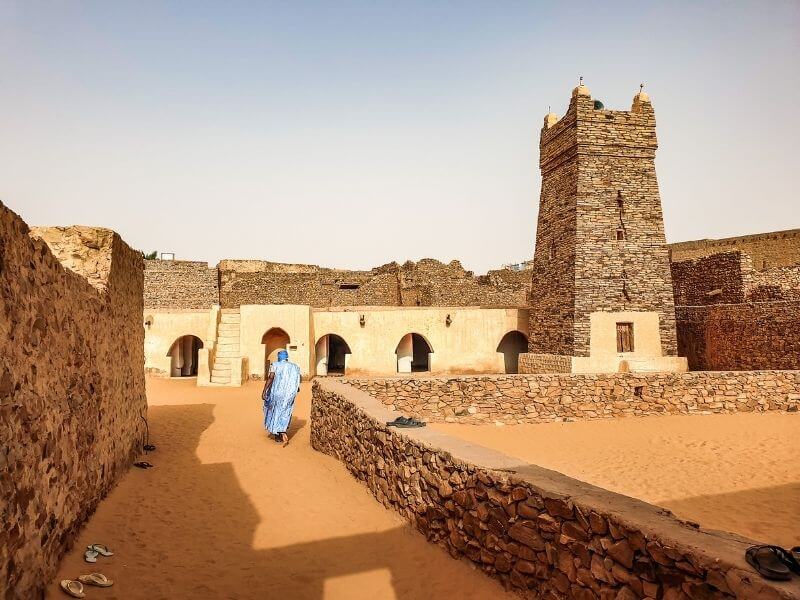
x=774 y=562
x=74 y=587
x=405 y=422
x=95 y=550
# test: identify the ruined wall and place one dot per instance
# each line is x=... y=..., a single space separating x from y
x=539 y=532
x=714 y=279
x=740 y=337
x=425 y=283
x=557 y=397
x=71 y=388
x=767 y=250
x=180 y=284
x=600 y=244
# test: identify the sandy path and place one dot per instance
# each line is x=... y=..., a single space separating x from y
x=227 y=513
x=738 y=473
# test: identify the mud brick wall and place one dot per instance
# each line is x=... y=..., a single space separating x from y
x=538 y=532
x=180 y=284
x=591 y=161
x=544 y=363
x=424 y=283
x=545 y=398
x=740 y=337
x=767 y=250
x=71 y=388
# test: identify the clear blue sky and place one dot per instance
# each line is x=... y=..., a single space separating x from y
x=355 y=133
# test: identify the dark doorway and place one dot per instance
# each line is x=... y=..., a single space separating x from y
x=337 y=354
x=512 y=344
x=183 y=355
x=274 y=340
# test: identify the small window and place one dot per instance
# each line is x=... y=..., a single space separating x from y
x=620 y=234
x=624 y=337
x=620 y=202
x=349 y=286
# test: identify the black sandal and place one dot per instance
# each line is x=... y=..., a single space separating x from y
x=769 y=561
x=142 y=465
x=405 y=422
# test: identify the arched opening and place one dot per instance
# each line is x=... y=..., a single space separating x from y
x=183 y=355
x=413 y=354
x=274 y=340
x=332 y=352
x=512 y=344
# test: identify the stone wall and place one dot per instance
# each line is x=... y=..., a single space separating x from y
x=767 y=250
x=544 y=363
x=600 y=242
x=179 y=284
x=539 y=532
x=71 y=388
x=424 y=283
x=544 y=398
x=714 y=279
x=740 y=337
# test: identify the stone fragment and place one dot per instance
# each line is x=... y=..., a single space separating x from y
x=622 y=553
x=525 y=533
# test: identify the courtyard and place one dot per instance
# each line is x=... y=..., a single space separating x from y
x=227 y=513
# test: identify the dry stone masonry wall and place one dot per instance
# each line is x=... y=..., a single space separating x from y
x=538 y=532
x=179 y=284
x=71 y=388
x=513 y=399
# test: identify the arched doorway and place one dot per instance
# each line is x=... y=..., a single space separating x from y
x=332 y=353
x=183 y=355
x=512 y=344
x=413 y=354
x=274 y=340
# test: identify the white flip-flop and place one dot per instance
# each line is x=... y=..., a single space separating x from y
x=101 y=549
x=97 y=579
x=90 y=555
x=73 y=588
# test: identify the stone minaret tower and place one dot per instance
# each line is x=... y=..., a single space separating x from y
x=600 y=244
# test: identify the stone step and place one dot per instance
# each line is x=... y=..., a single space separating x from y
x=220 y=379
x=223 y=361
x=220 y=373
x=230 y=318
x=228 y=344
x=228 y=353
x=226 y=327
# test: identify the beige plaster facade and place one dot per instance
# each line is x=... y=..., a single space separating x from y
x=377 y=340
x=647 y=352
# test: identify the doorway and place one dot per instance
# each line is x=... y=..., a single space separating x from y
x=274 y=340
x=332 y=355
x=183 y=356
x=413 y=354
x=512 y=345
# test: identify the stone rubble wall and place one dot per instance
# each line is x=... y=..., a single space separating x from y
x=767 y=250
x=513 y=399
x=71 y=388
x=715 y=279
x=424 y=283
x=179 y=284
x=544 y=363
x=740 y=337
x=538 y=532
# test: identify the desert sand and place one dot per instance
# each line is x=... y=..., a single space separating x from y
x=738 y=473
x=227 y=513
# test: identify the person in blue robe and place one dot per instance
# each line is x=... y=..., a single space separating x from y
x=280 y=391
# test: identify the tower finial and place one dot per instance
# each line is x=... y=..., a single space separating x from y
x=580 y=80
x=641 y=87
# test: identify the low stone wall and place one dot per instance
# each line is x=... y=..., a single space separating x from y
x=545 y=398
x=539 y=532
x=71 y=388
x=544 y=363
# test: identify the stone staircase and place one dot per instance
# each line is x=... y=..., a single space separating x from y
x=227 y=350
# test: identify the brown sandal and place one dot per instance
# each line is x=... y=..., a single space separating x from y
x=73 y=588
x=97 y=579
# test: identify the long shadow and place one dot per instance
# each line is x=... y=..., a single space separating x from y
x=185 y=529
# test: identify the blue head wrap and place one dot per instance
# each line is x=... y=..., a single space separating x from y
x=283 y=355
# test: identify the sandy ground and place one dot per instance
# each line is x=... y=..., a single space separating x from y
x=228 y=513
x=737 y=473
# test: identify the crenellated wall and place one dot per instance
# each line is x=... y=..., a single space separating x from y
x=539 y=532
x=72 y=392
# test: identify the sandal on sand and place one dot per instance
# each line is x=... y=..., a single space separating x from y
x=97 y=579
x=100 y=549
x=90 y=555
x=142 y=464
x=768 y=561
x=73 y=588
